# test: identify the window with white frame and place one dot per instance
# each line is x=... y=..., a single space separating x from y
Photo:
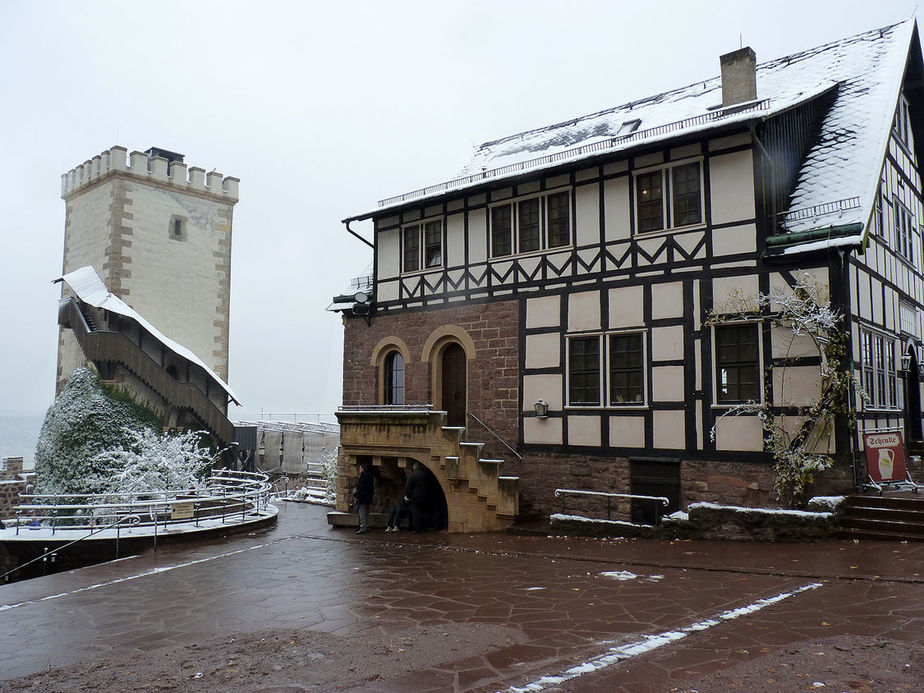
x=904 y=230
x=618 y=371
x=534 y=223
x=393 y=375
x=422 y=245
x=902 y=123
x=878 y=371
x=737 y=363
x=669 y=197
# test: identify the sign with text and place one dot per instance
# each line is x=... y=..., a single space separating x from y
x=183 y=511
x=885 y=456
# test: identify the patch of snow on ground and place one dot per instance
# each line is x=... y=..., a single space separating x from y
x=619 y=575
x=679 y=515
x=532 y=589
x=559 y=517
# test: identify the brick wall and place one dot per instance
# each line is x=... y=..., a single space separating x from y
x=11 y=484
x=493 y=375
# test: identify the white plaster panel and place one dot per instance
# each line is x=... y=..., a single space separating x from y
x=387 y=291
x=477 y=235
x=667 y=384
x=667 y=300
x=734 y=294
x=455 y=240
x=626 y=307
x=824 y=445
x=586 y=174
x=543 y=312
x=543 y=350
x=501 y=194
x=546 y=386
x=816 y=277
x=686 y=151
x=731 y=179
x=787 y=344
x=798 y=385
x=584 y=311
x=730 y=141
x=734 y=240
x=388 y=248
x=616 y=167
x=739 y=433
x=584 y=430
x=649 y=159
x=527 y=188
x=627 y=431
x=616 y=209
x=587 y=203
x=669 y=430
x=667 y=343
x=557 y=181
x=876 y=303
x=542 y=431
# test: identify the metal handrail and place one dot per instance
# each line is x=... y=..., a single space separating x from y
x=226 y=488
x=134 y=518
x=502 y=441
x=562 y=493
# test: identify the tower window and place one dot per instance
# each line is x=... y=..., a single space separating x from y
x=177 y=228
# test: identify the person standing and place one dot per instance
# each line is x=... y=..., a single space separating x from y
x=416 y=493
x=363 y=493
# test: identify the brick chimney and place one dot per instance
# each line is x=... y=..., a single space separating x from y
x=739 y=76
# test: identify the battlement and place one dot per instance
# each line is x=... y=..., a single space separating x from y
x=153 y=168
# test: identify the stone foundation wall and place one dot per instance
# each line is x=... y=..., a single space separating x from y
x=12 y=483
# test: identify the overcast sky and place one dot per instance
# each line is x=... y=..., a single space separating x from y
x=321 y=109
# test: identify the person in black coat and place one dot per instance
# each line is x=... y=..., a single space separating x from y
x=417 y=492
x=363 y=495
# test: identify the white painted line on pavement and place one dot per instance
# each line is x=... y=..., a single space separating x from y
x=652 y=642
x=146 y=573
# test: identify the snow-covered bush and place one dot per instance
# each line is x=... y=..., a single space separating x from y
x=84 y=422
x=329 y=469
x=807 y=311
x=153 y=462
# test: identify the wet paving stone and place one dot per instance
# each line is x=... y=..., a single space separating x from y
x=564 y=601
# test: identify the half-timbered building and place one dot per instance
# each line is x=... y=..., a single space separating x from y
x=558 y=298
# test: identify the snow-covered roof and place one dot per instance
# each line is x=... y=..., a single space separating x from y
x=842 y=165
x=85 y=282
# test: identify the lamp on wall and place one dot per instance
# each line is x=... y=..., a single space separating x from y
x=542 y=409
x=921 y=370
x=906 y=361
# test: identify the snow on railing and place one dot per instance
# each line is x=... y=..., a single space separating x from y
x=815 y=211
x=575 y=152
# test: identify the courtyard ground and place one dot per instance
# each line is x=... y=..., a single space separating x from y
x=302 y=607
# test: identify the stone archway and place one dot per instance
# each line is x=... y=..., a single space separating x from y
x=448 y=350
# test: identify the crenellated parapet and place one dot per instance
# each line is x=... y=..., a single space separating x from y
x=158 y=169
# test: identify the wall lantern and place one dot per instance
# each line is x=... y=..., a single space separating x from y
x=921 y=370
x=906 y=361
x=542 y=409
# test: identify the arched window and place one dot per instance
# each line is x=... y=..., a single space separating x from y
x=394 y=378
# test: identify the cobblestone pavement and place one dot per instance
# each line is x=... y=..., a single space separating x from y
x=567 y=601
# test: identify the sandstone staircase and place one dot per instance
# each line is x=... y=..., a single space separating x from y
x=478 y=497
x=882 y=517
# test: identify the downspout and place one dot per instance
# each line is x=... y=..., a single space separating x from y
x=347 y=223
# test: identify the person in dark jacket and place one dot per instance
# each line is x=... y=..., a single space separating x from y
x=417 y=493
x=363 y=494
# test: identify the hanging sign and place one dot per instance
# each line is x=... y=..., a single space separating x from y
x=885 y=457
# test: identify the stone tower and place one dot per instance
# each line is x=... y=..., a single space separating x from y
x=159 y=236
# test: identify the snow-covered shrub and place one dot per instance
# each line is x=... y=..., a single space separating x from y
x=807 y=311
x=153 y=462
x=329 y=469
x=83 y=422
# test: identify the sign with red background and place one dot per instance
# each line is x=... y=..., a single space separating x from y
x=885 y=456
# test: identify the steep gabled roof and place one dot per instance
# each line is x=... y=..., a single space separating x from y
x=837 y=182
x=85 y=282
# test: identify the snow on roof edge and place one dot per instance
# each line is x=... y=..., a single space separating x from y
x=88 y=286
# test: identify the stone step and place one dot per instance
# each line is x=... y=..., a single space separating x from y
x=909 y=529
x=879 y=535
x=885 y=514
